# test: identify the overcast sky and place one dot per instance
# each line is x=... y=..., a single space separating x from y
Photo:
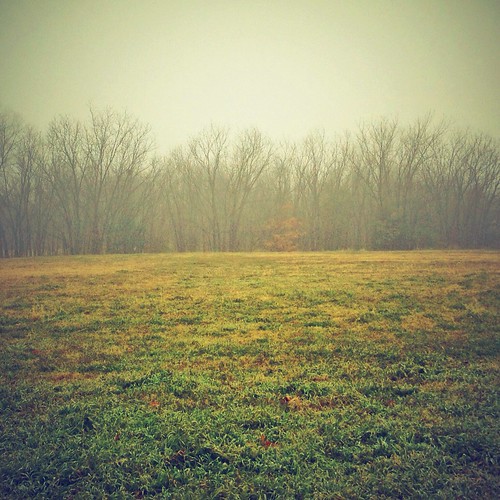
x=286 y=67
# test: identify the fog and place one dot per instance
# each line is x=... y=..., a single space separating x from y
x=285 y=67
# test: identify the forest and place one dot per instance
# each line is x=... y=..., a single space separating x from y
x=98 y=186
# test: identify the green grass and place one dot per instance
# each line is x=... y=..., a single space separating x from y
x=331 y=375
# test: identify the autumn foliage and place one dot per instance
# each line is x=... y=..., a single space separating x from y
x=284 y=235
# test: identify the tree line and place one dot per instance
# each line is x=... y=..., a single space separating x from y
x=98 y=187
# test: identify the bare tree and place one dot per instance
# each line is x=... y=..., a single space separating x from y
x=415 y=152
x=483 y=162
x=181 y=195
x=11 y=130
x=66 y=170
x=117 y=148
x=375 y=163
x=209 y=154
x=337 y=205
x=21 y=154
x=251 y=156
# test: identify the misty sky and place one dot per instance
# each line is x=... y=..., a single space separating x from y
x=286 y=67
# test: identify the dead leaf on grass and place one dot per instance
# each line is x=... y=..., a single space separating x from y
x=266 y=443
x=292 y=402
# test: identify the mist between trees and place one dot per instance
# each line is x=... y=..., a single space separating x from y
x=98 y=187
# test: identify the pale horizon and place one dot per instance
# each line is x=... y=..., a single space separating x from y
x=284 y=67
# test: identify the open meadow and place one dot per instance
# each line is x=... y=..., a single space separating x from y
x=299 y=375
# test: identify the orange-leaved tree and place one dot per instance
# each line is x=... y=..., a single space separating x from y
x=283 y=232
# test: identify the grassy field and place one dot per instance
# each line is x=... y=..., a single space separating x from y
x=332 y=375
